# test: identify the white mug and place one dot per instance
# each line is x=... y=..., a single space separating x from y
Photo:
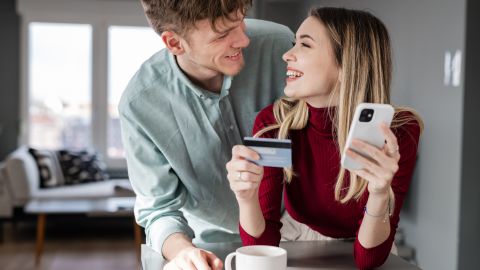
x=258 y=258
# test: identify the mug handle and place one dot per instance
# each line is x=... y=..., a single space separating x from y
x=228 y=261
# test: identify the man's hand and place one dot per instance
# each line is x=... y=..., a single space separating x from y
x=183 y=255
x=193 y=258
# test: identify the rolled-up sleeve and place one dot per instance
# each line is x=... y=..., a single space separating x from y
x=160 y=193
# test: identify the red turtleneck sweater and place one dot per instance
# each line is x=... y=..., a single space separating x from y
x=309 y=198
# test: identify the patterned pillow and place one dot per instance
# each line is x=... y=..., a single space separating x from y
x=48 y=166
x=81 y=167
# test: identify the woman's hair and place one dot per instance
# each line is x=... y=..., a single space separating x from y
x=181 y=16
x=361 y=46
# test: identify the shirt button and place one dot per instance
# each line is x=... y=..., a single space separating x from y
x=231 y=127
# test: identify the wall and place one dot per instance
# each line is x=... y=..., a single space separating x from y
x=421 y=33
x=469 y=249
x=9 y=78
x=288 y=12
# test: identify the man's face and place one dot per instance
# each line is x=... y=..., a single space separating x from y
x=209 y=52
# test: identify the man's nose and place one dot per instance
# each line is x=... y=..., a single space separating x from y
x=242 y=39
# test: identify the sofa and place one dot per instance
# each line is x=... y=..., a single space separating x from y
x=20 y=188
x=20 y=183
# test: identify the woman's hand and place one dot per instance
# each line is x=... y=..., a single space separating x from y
x=244 y=176
x=379 y=170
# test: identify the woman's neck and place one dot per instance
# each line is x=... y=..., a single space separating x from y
x=322 y=101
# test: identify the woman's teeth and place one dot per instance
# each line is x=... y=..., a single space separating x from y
x=293 y=74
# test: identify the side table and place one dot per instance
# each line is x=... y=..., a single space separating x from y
x=116 y=206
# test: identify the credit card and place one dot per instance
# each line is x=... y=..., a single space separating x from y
x=273 y=152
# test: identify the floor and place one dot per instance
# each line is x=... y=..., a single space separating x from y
x=70 y=244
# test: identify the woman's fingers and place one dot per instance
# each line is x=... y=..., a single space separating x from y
x=244 y=166
x=374 y=168
x=391 y=142
x=372 y=151
x=244 y=152
x=243 y=185
x=244 y=176
x=379 y=157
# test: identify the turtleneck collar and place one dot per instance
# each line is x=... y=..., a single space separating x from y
x=320 y=119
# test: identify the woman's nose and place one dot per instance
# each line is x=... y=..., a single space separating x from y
x=288 y=56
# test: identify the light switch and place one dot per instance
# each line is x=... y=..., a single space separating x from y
x=452 y=68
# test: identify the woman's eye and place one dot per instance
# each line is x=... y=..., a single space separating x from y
x=305 y=45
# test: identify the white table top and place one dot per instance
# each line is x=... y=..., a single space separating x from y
x=320 y=255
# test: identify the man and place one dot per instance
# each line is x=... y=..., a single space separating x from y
x=185 y=109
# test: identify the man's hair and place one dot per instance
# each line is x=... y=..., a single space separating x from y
x=180 y=16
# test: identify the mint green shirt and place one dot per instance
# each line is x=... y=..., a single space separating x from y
x=178 y=137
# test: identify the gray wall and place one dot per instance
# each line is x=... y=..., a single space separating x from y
x=469 y=248
x=9 y=78
x=421 y=33
x=287 y=12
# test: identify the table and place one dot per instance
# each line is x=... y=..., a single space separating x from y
x=311 y=255
x=114 y=206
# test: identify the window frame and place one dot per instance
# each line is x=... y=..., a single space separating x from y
x=100 y=14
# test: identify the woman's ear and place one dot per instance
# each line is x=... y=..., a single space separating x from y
x=340 y=75
x=172 y=42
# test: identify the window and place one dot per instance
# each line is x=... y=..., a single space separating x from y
x=78 y=59
x=128 y=48
x=59 y=65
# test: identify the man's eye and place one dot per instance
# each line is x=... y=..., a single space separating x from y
x=222 y=36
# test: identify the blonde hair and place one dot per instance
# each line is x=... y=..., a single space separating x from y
x=361 y=47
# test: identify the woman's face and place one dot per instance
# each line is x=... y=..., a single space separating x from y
x=312 y=71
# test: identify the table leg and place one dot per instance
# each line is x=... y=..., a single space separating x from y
x=1 y=231
x=138 y=238
x=40 y=237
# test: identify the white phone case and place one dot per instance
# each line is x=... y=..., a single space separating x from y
x=369 y=132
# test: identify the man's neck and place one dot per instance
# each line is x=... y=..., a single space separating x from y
x=206 y=79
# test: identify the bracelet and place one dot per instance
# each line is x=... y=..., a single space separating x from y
x=379 y=216
x=385 y=215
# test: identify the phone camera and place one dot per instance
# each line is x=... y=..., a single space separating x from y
x=366 y=115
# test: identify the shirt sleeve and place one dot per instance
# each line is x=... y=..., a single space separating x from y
x=270 y=197
x=408 y=138
x=160 y=193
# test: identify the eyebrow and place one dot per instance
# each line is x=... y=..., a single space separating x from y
x=306 y=36
x=227 y=30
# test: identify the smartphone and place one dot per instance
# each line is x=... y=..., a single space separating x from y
x=366 y=127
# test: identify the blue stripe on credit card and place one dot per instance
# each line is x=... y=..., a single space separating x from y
x=273 y=152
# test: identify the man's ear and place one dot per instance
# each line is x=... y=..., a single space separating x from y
x=173 y=42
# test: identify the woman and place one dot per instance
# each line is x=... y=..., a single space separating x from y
x=341 y=58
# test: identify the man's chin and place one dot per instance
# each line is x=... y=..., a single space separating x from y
x=232 y=71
